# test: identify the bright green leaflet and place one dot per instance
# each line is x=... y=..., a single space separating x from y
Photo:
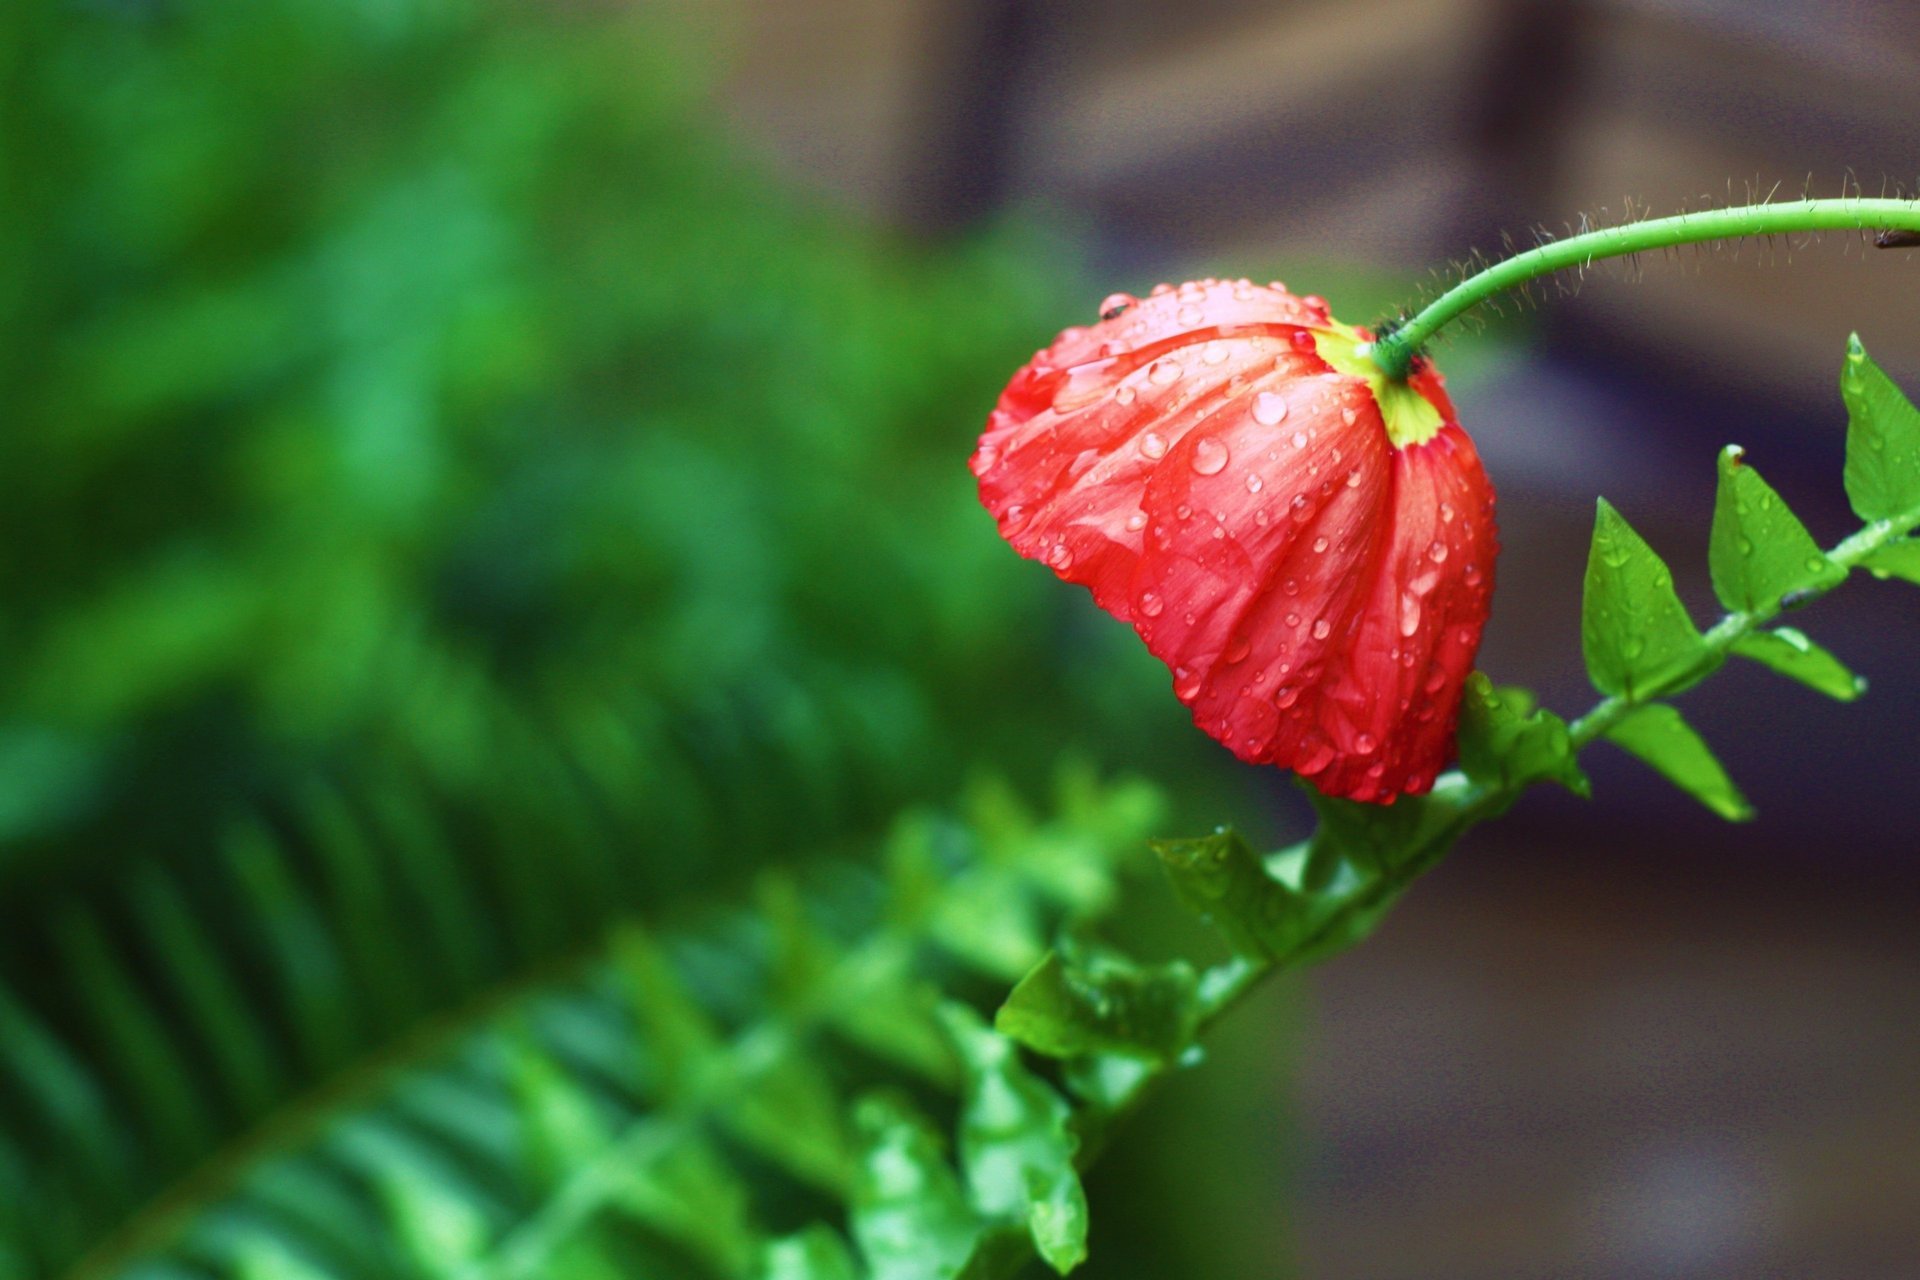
x=1899 y=559
x=1883 y=439
x=1658 y=735
x=1634 y=631
x=1760 y=551
x=1794 y=656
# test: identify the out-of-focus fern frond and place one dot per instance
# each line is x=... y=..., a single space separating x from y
x=683 y=1103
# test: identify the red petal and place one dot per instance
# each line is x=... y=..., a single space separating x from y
x=1318 y=593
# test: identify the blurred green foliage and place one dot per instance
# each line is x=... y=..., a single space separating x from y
x=449 y=498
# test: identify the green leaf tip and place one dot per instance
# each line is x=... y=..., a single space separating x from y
x=1221 y=878
x=1102 y=1003
x=1634 y=632
x=1657 y=735
x=1790 y=653
x=1759 y=551
x=1017 y=1143
x=1507 y=741
x=1883 y=439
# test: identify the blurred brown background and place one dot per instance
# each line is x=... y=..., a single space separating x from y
x=1530 y=1073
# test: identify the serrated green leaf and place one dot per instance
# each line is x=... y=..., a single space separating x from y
x=1659 y=736
x=788 y=1112
x=910 y=1217
x=678 y=1037
x=1793 y=655
x=1883 y=439
x=1634 y=631
x=1508 y=742
x=1897 y=559
x=818 y=1253
x=1102 y=1003
x=1759 y=550
x=1017 y=1145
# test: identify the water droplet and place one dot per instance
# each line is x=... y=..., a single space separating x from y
x=1162 y=289
x=1268 y=408
x=1348 y=416
x=1298 y=507
x=1151 y=604
x=1209 y=457
x=1185 y=684
x=1303 y=340
x=1188 y=316
x=1816 y=563
x=1117 y=303
x=1409 y=613
x=984 y=459
x=1474 y=575
x=1060 y=558
x=1183 y=512
x=1285 y=696
x=1216 y=353
x=1438 y=552
x=1299 y=439
x=1164 y=372
x=1254 y=483
x=1291 y=586
x=1321 y=628
x=1353 y=478
x=1293 y=619
x=1237 y=649
x=1136 y=522
x=1365 y=744
x=1320 y=544
x=1124 y=395
x=1446 y=513
x=1153 y=445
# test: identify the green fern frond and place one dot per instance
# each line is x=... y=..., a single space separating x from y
x=703 y=1103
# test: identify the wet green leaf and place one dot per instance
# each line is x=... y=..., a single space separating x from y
x=1759 y=550
x=910 y=1217
x=1102 y=1003
x=1220 y=877
x=1633 y=629
x=1508 y=742
x=1897 y=559
x=1017 y=1145
x=1793 y=655
x=1883 y=439
x=1659 y=736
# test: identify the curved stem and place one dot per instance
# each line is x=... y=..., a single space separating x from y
x=1395 y=352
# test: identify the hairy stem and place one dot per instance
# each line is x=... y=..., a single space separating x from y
x=1395 y=352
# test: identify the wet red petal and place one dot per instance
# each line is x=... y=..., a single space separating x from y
x=1317 y=592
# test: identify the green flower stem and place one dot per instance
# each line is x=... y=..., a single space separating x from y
x=1848 y=554
x=1395 y=352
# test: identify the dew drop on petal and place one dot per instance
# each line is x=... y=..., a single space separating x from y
x=1216 y=353
x=1285 y=696
x=1162 y=289
x=1365 y=744
x=1320 y=544
x=1209 y=457
x=1254 y=483
x=1188 y=316
x=1136 y=522
x=1321 y=628
x=1438 y=552
x=1299 y=507
x=1293 y=619
x=1446 y=513
x=1124 y=395
x=1151 y=604
x=1237 y=649
x=1060 y=558
x=1409 y=613
x=1183 y=512
x=1348 y=416
x=1269 y=408
x=1153 y=445
x=1164 y=373
x=1185 y=684
x=1117 y=303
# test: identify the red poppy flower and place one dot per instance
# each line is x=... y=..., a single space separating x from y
x=1308 y=545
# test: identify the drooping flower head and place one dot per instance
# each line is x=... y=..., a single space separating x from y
x=1307 y=544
